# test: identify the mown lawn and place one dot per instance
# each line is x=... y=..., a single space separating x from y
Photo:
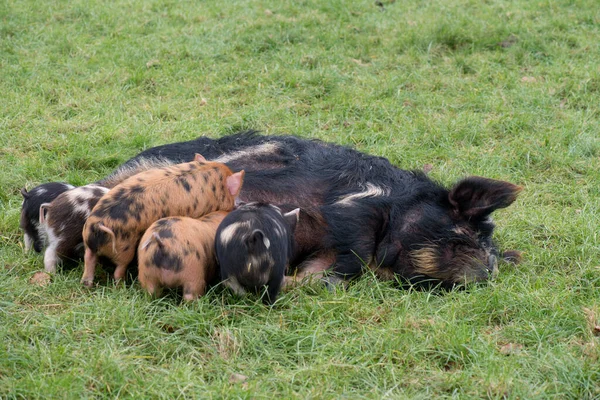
x=507 y=90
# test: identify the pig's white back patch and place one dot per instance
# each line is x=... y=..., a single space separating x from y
x=79 y=197
x=263 y=149
x=370 y=190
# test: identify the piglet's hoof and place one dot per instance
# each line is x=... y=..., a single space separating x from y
x=87 y=283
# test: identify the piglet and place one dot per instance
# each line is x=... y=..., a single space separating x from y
x=63 y=221
x=35 y=235
x=121 y=217
x=254 y=244
x=179 y=252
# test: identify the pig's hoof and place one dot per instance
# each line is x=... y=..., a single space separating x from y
x=87 y=283
x=190 y=297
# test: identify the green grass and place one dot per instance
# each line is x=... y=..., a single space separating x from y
x=86 y=85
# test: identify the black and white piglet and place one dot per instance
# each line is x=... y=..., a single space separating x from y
x=63 y=220
x=34 y=235
x=254 y=244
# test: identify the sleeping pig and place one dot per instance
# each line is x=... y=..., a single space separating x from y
x=63 y=221
x=122 y=216
x=179 y=252
x=254 y=244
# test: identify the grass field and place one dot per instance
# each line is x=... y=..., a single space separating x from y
x=506 y=90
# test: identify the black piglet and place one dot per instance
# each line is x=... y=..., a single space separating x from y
x=254 y=244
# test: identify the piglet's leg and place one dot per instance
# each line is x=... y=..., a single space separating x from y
x=50 y=259
x=28 y=242
x=120 y=272
x=193 y=290
x=273 y=287
x=153 y=290
x=233 y=284
x=89 y=269
x=122 y=260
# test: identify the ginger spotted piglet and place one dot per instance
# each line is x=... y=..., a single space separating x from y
x=122 y=216
x=179 y=252
x=254 y=245
x=62 y=219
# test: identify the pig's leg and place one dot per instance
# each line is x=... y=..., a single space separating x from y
x=234 y=285
x=273 y=287
x=120 y=272
x=89 y=269
x=154 y=290
x=310 y=270
x=149 y=282
x=194 y=289
x=50 y=259
x=124 y=258
x=28 y=242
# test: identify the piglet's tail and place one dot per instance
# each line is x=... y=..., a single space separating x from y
x=111 y=234
x=155 y=237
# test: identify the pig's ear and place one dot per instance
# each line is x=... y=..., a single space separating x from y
x=199 y=157
x=255 y=238
x=477 y=197
x=25 y=194
x=43 y=211
x=234 y=183
x=292 y=218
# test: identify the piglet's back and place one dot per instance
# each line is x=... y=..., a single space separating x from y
x=181 y=236
x=190 y=189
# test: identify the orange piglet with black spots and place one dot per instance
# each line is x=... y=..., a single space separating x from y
x=179 y=252
x=121 y=217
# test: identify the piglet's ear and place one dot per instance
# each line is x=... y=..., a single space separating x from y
x=234 y=183
x=477 y=197
x=256 y=241
x=25 y=194
x=199 y=158
x=292 y=218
